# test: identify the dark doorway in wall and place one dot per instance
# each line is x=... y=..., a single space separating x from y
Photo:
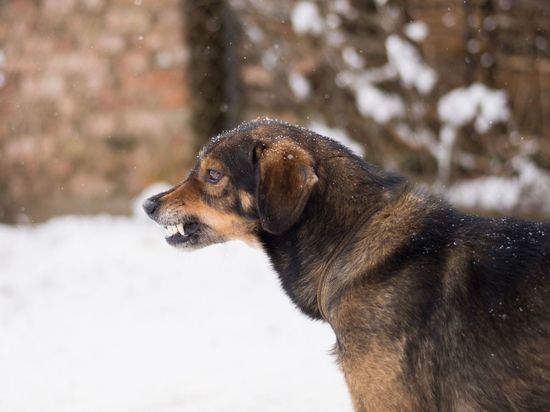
x=211 y=31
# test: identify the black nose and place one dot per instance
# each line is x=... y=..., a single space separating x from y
x=150 y=206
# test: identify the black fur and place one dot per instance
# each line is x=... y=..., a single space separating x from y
x=462 y=302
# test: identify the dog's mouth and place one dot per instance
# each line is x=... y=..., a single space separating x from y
x=184 y=233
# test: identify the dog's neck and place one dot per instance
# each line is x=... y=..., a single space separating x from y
x=332 y=214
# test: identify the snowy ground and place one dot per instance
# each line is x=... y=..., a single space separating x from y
x=99 y=314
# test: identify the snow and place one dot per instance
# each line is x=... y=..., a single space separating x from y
x=306 y=18
x=529 y=190
x=489 y=193
x=270 y=59
x=476 y=103
x=372 y=101
x=337 y=134
x=344 y=8
x=99 y=314
x=333 y=21
x=416 y=31
x=299 y=85
x=375 y=103
x=412 y=71
x=335 y=38
x=404 y=64
x=443 y=152
x=352 y=58
x=254 y=33
x=441 y=148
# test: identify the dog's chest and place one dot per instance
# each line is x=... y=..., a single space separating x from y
x=374 y=376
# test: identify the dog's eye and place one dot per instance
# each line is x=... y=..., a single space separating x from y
x=213 y=176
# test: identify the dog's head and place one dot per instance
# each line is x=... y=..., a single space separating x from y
x=247 y=180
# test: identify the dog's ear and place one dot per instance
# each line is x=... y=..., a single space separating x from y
x=285 y=179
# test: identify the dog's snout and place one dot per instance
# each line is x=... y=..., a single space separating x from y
x=151 y=206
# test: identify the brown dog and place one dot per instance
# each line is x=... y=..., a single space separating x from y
x=432 y=309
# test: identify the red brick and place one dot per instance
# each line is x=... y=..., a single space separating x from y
x=77 y=70
x=128 y=20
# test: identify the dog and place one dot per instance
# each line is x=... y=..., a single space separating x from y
x=432 y=309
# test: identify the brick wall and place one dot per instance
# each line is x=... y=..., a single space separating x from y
x=93 y=103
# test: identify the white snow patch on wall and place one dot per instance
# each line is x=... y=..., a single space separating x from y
x=335 y=38
x=416 y=31
x=333 y=21
x=475 y=103
x=443 y=152
x=418 y=138
x=412 y=71
x=270 y=59
x=306 y=18
x=375 y=103
x=489 y=193
x=441 y=148
x=344 y=8
x=352 y=58
x=254 y=33
x=370 y=100
x=530 y=190
x=299 y=85
x=337 y=134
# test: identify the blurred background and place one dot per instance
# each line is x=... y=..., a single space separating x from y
x=102 y=99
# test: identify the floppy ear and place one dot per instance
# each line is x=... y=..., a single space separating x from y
x=285 y=179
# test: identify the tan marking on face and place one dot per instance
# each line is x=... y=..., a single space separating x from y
x=186 y=200
x=246 y=200
x=210 y=163
x=228 y=225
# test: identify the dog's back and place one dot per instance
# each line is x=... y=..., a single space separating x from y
x=501 y=351
x=456 y=318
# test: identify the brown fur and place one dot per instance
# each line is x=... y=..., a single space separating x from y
x=432 y=309
x=227 y=224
